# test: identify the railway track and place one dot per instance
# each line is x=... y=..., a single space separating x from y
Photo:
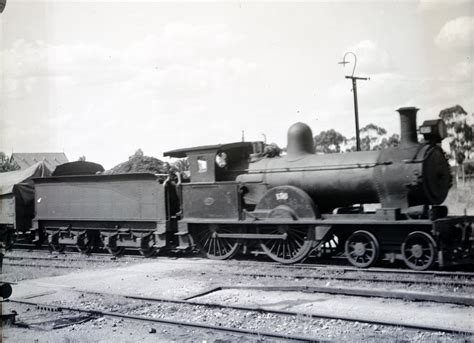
x=55 y=258
x=227 y=329
x=341 y=268
x=329 y=265
x=359 y=292
x=298 y=266
x=340 y=273
x=462 y=279
x=193 y=305
x=53 y=261
x=40 y=265
x=359 y=278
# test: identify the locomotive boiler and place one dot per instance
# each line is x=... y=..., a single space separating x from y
x=402 y=177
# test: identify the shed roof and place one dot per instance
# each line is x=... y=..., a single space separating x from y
x=51 y=159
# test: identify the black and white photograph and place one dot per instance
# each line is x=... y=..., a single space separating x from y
x=236 y=171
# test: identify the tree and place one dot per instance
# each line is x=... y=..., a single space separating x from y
x=329 y=141
x=460 y=133
x=137 y=154
x=139 y=163
x=82 y=158
x=390 y=142
x=181 y=165
x=371 y=137
x=6 y=165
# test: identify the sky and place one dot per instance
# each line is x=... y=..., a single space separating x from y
x=103 y=79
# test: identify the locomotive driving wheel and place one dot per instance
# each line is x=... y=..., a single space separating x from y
x=213 y=246
x=292 y=247
x=362 y=249
x=419 y=250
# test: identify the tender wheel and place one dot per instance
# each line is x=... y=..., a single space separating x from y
x=362 y=249
x=116 y=251
x=9 y=241
x=292 y=249
x=147 y=249
x=54 y=245
x=419 y=250
x=110 y=244
x=57 y=247
x=84 y=244
x=214 y=247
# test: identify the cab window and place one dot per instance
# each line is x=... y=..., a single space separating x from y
x=202 y=164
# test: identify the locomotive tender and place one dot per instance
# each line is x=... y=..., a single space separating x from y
x=239 y=199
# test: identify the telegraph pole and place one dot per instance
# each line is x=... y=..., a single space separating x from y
x=354 y=91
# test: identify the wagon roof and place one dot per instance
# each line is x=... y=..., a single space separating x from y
x=181 y=153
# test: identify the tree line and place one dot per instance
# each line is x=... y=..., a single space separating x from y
x=459 y=126
x=372 y=137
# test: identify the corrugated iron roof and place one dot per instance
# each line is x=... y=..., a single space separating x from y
x=50 y=159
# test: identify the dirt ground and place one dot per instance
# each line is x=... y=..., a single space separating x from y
x=184 y=277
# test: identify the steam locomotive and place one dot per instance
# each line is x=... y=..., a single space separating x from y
x=239 y=199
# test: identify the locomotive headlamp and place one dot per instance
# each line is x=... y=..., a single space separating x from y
x=434 y=131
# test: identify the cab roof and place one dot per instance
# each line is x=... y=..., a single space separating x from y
x=181 y=153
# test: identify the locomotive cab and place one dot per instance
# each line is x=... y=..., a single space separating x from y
x=215 y=163
x=212 y=191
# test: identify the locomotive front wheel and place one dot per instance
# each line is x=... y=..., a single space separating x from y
x=214 y=247
x=362 y=249
x=419 y=250
x=292 y=249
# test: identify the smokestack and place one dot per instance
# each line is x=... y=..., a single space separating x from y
x=408 y=134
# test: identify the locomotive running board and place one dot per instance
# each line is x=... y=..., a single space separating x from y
x=333 y=219
x=251 y=236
